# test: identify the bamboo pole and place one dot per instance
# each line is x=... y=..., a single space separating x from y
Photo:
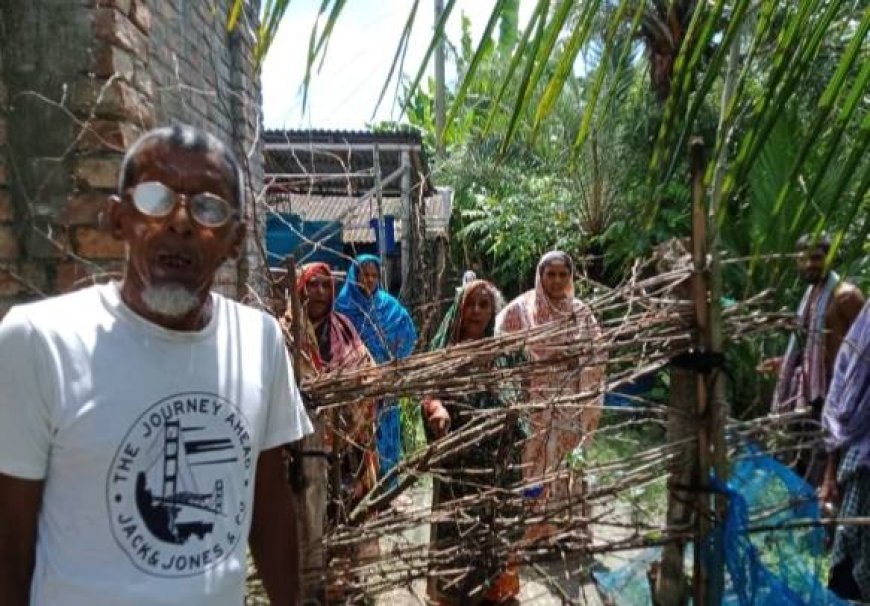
x=699 y=297
x=296 y=314
x=382 y=230
x=709 y=569
x=671 y=583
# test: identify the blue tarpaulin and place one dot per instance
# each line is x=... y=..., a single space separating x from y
x=783 y=566
x=288 y=234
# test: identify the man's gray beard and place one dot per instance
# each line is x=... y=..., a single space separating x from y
x=170 y=301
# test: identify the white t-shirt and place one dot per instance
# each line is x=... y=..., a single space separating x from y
x=147 y=440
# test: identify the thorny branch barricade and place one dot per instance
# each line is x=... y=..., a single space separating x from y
x=644 y=326
x=333 y=466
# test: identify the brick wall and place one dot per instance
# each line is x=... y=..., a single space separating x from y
x=202 y=77
x=79 y=81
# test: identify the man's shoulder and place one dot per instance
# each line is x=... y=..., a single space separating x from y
x=847 y=288
x=59 y=310
x=848 y=292
x=247 y=316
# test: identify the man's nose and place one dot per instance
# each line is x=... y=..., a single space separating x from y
x=180 y=219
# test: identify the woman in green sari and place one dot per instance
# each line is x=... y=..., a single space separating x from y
x=475 y=573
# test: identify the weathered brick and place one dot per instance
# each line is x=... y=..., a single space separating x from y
x=95 y=243
x=114 y=27
x=98 y=173
x=71 y=275
x=45 y=240
x=121 y=5
x=111 y=99
x=52 y=174
x=111 y=60
x=86 y=209
x=109 y=135
x=9 y=247
x=7 y=211
x=10 y=285
x=22 y=278
x=140 y=14
x=144 y=83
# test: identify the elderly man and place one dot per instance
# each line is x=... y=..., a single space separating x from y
x=142 y=422
x=826 y=312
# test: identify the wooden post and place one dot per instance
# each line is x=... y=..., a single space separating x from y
x=440 y=104
x=671 y=585
x=709 y=570
x=296 y=313
x=699 y=297
x=382 y=230
x=407 y=224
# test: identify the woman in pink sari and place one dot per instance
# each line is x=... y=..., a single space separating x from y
x=339 y=461
x=556 y=430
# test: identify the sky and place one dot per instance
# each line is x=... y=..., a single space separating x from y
x=343 y=94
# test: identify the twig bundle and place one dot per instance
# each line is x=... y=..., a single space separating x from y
x=644 y=327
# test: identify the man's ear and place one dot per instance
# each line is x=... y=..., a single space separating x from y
x=114 y=216
x=237 y=240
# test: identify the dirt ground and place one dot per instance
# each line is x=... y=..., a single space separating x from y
x=571 y=589
x=564 y=585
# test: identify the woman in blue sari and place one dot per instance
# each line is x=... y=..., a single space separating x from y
x=388 y=332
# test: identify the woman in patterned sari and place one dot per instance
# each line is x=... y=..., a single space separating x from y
x=338 y=461
x=482 y=466
x=555 y=430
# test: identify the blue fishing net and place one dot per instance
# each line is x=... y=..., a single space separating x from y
x=781 y=565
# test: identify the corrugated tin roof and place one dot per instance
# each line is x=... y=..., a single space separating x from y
x=341 y=163
x=355 y=216
x=316 y=135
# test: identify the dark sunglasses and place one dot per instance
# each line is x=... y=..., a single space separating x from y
x=153 y=199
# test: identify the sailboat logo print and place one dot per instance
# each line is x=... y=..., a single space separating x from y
x=177 y=489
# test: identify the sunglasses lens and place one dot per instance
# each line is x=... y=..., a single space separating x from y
x=210 y=210
x=153 y=199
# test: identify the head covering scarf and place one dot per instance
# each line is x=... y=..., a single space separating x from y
x=556 y=430
x=451 y=326
x=468 y=277
x=494 y=461
x=384 y=325
x=331 y=345
x=535 y=308
x=346 y=348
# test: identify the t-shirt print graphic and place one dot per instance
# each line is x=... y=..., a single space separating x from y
x=177 y=489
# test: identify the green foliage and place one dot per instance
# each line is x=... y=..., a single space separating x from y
x=617 y=441
x=540 y=192
x=571 y=130
x=411 y=421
